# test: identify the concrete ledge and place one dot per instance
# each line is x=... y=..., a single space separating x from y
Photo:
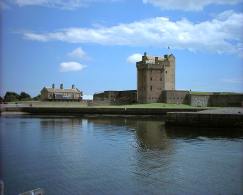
x=199 y=119
x=92 y=110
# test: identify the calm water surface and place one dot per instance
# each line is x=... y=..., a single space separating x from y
x=117 y=156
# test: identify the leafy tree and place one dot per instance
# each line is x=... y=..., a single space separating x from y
x=1 y=99
x=11 y=97
x=37 y=98
x=24 y=96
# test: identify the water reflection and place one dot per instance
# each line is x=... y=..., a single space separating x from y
x=118 y=156
x=153 y=134
x=149 y=134
x=60 y=123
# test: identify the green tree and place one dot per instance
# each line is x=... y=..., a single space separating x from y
x=1 y=99
x=11 y=96
x=37 y=98
x=24 y=96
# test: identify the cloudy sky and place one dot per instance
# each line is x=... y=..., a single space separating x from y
x=94 y=44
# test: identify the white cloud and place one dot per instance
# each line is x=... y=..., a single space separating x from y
x=71 y=66
x=78 y=53
x=62 y=4
x=37 y=37
x=222 y=34
x=188 y=5
x=134 y=58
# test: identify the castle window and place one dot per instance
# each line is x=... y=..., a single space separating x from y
x=160 y=79
x=166 y=72
x=151 y=88
x=150 y=78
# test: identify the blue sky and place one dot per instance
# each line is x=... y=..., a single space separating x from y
x=95 y=43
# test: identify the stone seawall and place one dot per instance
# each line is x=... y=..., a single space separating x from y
x=96 y=110
x=205 y=119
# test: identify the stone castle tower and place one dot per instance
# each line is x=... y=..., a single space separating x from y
x=154 y=74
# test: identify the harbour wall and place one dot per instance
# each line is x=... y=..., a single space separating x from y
x=97 y=110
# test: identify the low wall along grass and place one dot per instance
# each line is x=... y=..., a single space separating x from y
x=83 y=105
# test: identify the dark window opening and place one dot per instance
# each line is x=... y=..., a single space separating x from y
x=150 y=78
x=151 y=88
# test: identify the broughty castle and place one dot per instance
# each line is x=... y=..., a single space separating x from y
x=156 y=83
x=154 y=75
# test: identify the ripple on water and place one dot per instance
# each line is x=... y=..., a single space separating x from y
x=124 y=156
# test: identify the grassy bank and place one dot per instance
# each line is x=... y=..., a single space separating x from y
x=84 y=105
x=150 y=105
x=49 y=104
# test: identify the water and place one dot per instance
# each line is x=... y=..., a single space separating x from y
x=117 y=156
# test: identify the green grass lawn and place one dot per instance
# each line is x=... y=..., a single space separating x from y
x=51 y=104
x=150 y=105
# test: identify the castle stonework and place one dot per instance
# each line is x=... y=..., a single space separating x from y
x=154 y=75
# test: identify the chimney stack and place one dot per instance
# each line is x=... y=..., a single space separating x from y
x=73 y=86
x=53 y=86
x=61 y=86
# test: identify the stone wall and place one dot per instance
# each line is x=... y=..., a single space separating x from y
x=116 y=97
x=174 y=97
x=204 y=120
x=199 y=100
x=103 y=110
x=216 y=100
x=171 y=97
x=231 y=100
